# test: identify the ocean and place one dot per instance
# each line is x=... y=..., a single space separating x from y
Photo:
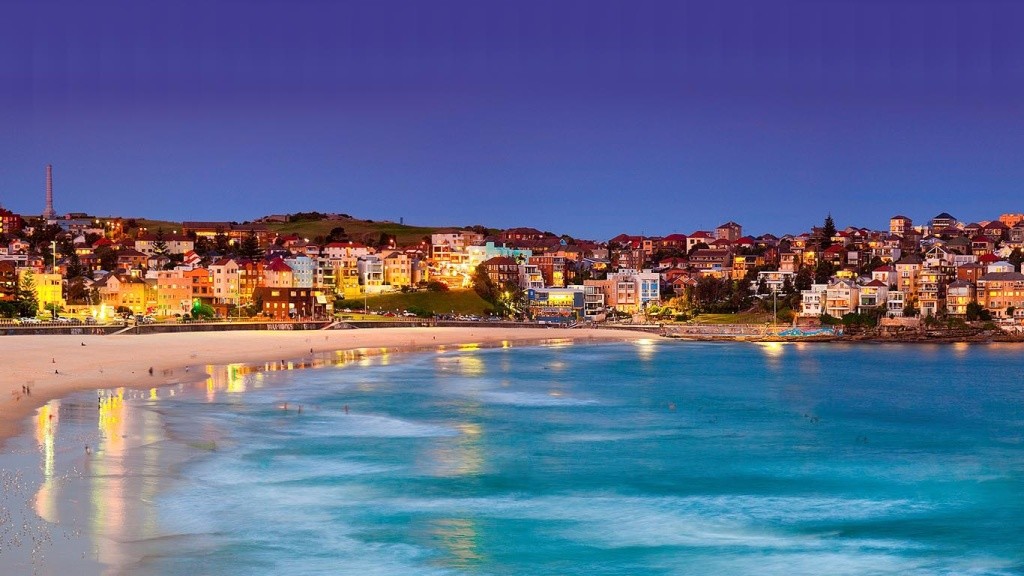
x=654 y=457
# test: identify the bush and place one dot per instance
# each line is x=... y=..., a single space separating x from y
x=421 y=312
x=436 y=286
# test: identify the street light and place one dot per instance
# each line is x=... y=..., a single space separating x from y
x=53 y=244
x=775 y=310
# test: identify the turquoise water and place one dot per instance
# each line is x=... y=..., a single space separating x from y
x=649 y=458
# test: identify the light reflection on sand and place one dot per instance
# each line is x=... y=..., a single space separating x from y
x=104 y=474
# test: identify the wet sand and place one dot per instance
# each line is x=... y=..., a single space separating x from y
x=36 y=369
x=85 y=510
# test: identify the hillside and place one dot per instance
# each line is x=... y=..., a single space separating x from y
x=457 y=301
x=358 y=230
x=368 y=231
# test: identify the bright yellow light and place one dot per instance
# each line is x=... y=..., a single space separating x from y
x=771 y=348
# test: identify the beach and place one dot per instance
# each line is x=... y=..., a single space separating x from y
x=37 y=369
x=469 y=445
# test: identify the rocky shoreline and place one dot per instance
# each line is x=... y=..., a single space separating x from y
x=874 y=335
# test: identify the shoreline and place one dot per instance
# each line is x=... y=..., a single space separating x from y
x=48 y=498
x=42 y=368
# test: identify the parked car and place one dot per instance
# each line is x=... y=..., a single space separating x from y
x=28 y=320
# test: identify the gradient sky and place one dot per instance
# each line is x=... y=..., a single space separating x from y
x=583 y=117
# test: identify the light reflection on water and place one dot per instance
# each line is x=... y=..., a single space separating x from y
x=463 y=439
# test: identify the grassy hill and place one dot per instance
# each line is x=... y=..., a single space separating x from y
x=358 y=230
x=461 y=301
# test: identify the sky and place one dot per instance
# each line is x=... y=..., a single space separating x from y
x=584 y=117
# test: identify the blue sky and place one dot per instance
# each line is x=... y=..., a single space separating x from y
x=582 y=117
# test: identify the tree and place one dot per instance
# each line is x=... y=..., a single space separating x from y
x=787 y=286
x=823 y=273
x=107 y=257
x=976 y=311
x=202 y=246
x=762 y=285
x=250 y=247
x=697 y=246
x=484 y=287
x=200 y=310
x=160 y=245
x=1016 y=258
x=804 y=278
x=385 y=240
x=25 y=298
x=77 y=292
x=511 y=300
x=828 y=230
x=910 y=310
x=337 y=234
x=220 y=241
x=54 y=309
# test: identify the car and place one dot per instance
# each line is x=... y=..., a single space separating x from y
x=90 y=319
x=29 y=320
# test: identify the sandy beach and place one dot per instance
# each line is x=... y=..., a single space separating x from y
x=37 y=369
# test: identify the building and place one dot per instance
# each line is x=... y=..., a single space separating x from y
x=959 y=294
x=123 y=291
x=551 y=267
x=629 y=291
x=886 y=274
x=557 y=305
x=49 y=289
x=699 y=237
x=730 y=231
x=1000 y=292
x=518 y=234
x=175 y=243
x=234 y=232
x=201 y=282
x=502 y=270
x=398 y=270
x=173 y=293
x=10 y=222
x=281 y=303
x=872 y=296
x=776 y=279
x=943 y=221
x=710 y=262
x=1011 y=219
x=900 y=225
x=371 y=274
x=812 y=302
x=841 y=297
x=931 y=291
x=8 y=281
x=907 y=270
x=896 y=303
x=303 y=270
x=278 y=274
x=530 y=277
x=743 y=263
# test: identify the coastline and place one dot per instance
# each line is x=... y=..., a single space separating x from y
x=38 y=369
